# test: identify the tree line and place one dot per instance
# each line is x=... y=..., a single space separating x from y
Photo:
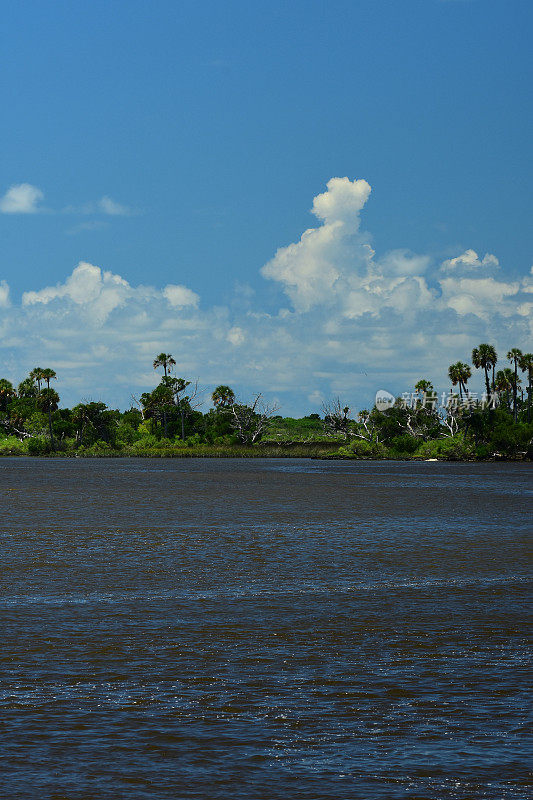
x=455 y=424
x=169 y=415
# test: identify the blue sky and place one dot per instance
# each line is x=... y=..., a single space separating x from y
x=181 y=144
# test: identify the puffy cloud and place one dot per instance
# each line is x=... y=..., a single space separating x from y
x=342 y=201
x=84 y=286
x=480 y=296
x=180 y=296
x=469 y=263
x=97 y=292
x=22 y=198
x=334 y=265
x=314 y=270
x=357 y=322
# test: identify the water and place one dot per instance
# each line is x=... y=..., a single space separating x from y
x=263 y=629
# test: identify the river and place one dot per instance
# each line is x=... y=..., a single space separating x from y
x=263 y=629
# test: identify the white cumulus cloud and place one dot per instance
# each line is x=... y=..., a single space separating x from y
x=342 y=201
x=314 y=270
x=180 y=296
x=98 y=292
x=469 y=263
x=22 y=198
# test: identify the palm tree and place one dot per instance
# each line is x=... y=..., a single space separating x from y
x=485 y=357
x=453 y=374
x=526 y=365
x=27 y=388
x=7 y=393
x=459 y=373
x=48 y=375
x=223 y=397
x=37 y=376
x=166 y=361
x=505 y=382
x=425 y=388
x=514 y=355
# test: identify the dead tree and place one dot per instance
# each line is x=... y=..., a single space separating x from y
x=249 y=421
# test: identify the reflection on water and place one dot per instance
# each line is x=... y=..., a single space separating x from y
x=266 y=629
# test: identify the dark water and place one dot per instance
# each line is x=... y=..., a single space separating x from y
x=263 y=629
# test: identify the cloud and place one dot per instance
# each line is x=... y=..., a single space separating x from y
x=334 y=266
x=342 y=201
x=108 y=206
x=90 y=225
x=236 y=336
x=354 y=320
x=21 y=198
x=105 y=205
x=180 y=296
x=97 y=292
x=314 y=270
x=469 y=263
x=4 y=295
x=403 y=262
x=483 y=297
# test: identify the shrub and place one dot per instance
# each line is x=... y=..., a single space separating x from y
x=511 y=439
x=11 y=446
x=361 y=448
x=125 y=434
x=39 y=446
x=99 y=448
x=406 y=443
x=453 y=448
x=147 y=441
x=483 y=451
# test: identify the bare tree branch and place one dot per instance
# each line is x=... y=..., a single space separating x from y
x=249 y=421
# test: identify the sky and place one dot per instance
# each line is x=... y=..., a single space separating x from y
x=303 y=199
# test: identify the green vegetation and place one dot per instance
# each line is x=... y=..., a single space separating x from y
x=166 y=422
x=452 y=427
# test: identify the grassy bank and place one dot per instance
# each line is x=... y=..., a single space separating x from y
x=329 y=451
x=13 y=447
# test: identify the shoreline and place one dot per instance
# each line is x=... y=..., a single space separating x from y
x=253 y=454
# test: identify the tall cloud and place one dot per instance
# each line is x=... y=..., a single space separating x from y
x=314 y=270
x=334 y=265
